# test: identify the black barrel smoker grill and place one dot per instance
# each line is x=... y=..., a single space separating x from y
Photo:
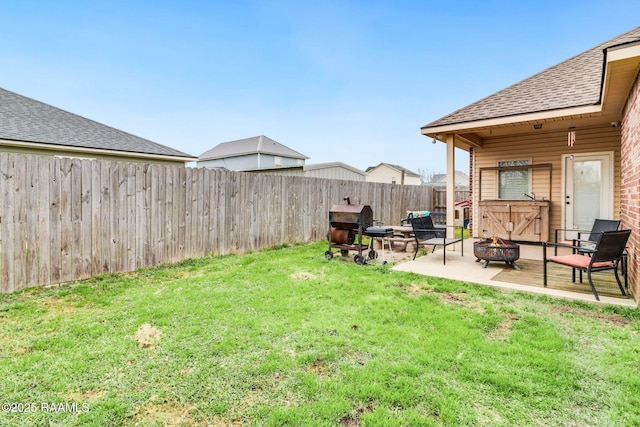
x=347 y=224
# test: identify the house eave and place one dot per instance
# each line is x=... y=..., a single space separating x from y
x=541 y=116
x=88 y=152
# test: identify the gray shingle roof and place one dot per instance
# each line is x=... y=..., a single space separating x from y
x=27 y=120
x=573 y=83
x=253 y=145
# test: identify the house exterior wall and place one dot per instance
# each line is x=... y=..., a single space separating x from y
x=389 y=175
x=335 y=172
x=297 y=171
x=251 y=162
x=542 y=148
x=630 y=184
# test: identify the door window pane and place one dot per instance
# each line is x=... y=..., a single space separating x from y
x=587 y=180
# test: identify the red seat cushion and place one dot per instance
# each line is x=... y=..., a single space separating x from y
x=578 y=261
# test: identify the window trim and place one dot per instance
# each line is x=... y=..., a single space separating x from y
x=529 y=161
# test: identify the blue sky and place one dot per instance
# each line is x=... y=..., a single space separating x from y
x=349 y=81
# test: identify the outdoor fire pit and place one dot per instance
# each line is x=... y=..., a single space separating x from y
x=497 y=249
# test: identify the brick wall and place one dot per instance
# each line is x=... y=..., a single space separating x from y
x=630 y=183
x=471 y=212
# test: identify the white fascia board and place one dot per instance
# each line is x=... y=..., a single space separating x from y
x=502 y=121
x=87 y=151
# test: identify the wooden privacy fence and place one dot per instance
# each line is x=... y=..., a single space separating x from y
x=439 y=202
x=64 y=219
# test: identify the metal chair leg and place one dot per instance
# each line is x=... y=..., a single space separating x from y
x=544 y=264
x=593 y=288
x=619 y=282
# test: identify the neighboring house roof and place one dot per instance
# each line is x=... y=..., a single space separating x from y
x=576 y=82
x=257 y=144
x=396 y=167
x=25 y=120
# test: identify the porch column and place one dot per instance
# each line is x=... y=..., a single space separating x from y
x=451 y=183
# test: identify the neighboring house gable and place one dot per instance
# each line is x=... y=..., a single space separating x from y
x=440 y=179
x=30 y=126
x=392 y=174
x=256 y=153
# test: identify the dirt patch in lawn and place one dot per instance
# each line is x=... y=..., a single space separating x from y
x=166 y=414
x=415 y=290
x=319 y=368
x=303 y=275
x=352 y=419
x=503 y=330
x=611 y=318
x=147 y=336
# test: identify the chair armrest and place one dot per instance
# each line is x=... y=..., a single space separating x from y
x=440 y=230
x=559 y=245
x=579 y=231
x=577 y=242
x=573 y=229
x=565 y=245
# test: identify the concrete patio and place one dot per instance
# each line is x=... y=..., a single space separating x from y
x=464 y=268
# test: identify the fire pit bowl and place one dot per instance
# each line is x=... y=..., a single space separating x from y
x=497 y=249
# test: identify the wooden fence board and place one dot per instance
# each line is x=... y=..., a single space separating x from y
x=122 y=234
x=66 y=221
x=7 y=235
x=96 y=218
x=160 y=213
x=132 y=224
x=170 y=215
x=85 y=218
x=182 y=212
x=20 y=221
x=106 y=196
x=147 y=232
x=43 y=231
x=54 y=220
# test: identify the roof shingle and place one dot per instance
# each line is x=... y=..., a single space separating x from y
x=27 y=120
x=573 y=83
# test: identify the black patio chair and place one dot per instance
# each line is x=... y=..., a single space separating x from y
x=606 y=255
x=426 y=234
x=599 y=226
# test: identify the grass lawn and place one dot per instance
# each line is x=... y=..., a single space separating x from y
x=285 y=337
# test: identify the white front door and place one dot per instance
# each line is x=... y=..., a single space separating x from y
x=588 y=190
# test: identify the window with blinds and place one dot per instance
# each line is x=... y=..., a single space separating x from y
x=514 y=184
